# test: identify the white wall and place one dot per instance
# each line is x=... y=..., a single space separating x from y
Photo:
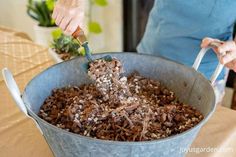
x=13 y=14
x=111 y=20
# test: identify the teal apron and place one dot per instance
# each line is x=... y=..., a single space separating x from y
x=175 y=29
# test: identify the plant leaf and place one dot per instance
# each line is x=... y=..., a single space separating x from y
x=32 y=12
x=50 y=4
x=101 y=3
x=82 y=51
x=56 y=33
x=66 y=44
x=41 y=10
x=41 y=13
x=94 y=27
x=46 y=13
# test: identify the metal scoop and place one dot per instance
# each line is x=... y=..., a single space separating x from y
x=81 y=38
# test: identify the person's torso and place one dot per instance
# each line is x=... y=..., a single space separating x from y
x=176 y=27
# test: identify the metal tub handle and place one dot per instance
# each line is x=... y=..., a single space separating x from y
x=200 y=57
x=15 y=93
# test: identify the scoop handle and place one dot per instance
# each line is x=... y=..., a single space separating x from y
x=15 y=93
x=200 y=57
x=80 y=36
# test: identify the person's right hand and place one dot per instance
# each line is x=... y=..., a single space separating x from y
x=69 y=14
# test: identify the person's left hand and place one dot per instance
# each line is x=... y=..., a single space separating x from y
x=227 y=48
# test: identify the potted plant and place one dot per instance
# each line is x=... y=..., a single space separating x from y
x=64 y=47
x=41 y=11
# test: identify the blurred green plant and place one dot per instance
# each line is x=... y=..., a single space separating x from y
x=41 y=11
x=94 y=26
x=101 y=3
x=65 y=44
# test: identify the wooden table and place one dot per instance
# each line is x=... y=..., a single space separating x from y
x=20 y=137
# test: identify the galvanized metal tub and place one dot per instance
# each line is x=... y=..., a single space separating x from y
x=190 y=87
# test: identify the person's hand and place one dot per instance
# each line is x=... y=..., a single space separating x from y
x=69 y=14
x=226 y=51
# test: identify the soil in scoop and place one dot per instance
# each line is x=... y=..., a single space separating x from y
x=119 y=108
